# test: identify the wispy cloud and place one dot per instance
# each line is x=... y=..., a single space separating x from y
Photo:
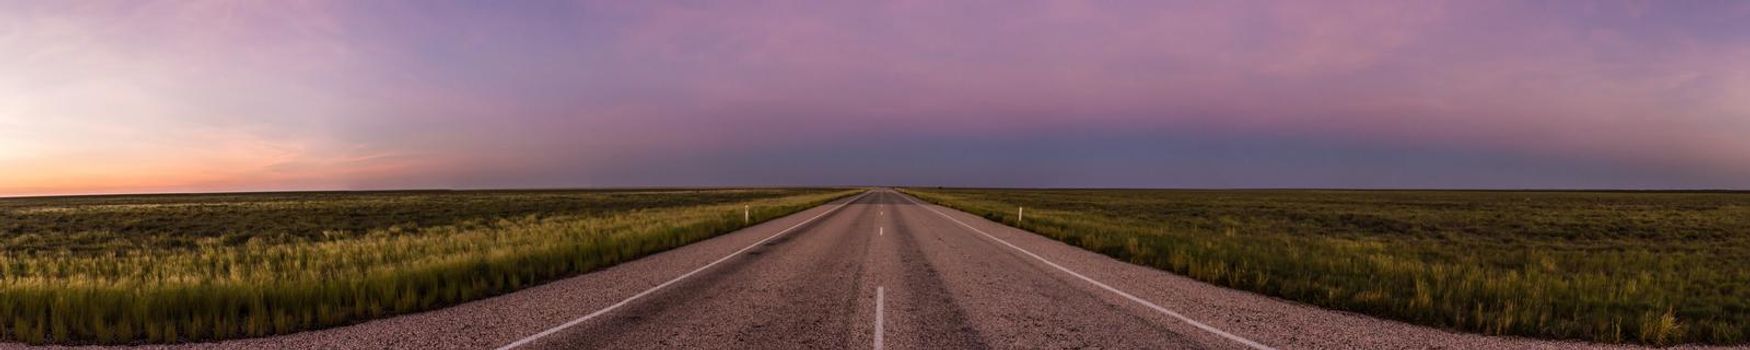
x=152 y=96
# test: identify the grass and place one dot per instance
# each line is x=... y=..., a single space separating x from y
x=1616 y=267
x=179 y=268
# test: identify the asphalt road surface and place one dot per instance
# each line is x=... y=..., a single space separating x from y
x=880 y=271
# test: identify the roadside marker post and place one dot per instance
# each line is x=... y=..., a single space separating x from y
x=1020 y=215
x=1200 y=325
x=634 y=297
x=747 y=214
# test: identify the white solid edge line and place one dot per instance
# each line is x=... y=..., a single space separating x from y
x=550 y=331
x=1200 y=325
x=880 y=295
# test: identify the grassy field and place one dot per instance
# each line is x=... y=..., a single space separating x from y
x=176 y=268
x=1653 y=268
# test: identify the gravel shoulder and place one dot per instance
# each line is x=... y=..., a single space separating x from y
x=1278 y=323
x=942 y=282
x=492 y=322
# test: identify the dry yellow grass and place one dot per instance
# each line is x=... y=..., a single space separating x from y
x=218 y=290
x=1653 y=268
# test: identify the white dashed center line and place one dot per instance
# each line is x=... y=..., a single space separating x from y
x=880 y=299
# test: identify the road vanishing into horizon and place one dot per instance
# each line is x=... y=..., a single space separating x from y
x=880 y=270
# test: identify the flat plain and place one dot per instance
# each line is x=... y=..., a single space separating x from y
x=179 y=268
x=1613 y=267
x=483 y=269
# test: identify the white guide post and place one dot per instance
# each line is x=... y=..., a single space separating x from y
x=747 y=214
x=1020 y=214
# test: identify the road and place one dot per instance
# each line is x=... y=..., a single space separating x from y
x=882 y=271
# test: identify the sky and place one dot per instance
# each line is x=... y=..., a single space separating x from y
x=201 y=96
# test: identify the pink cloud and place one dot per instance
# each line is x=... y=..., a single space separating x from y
x=326 y=93
x=1463 y=74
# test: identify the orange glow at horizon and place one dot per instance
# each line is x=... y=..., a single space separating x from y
x=99 y=97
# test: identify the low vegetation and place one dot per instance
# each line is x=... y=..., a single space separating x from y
x=1641 y=267
x=177 y=268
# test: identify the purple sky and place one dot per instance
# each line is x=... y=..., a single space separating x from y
x=146 y=96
